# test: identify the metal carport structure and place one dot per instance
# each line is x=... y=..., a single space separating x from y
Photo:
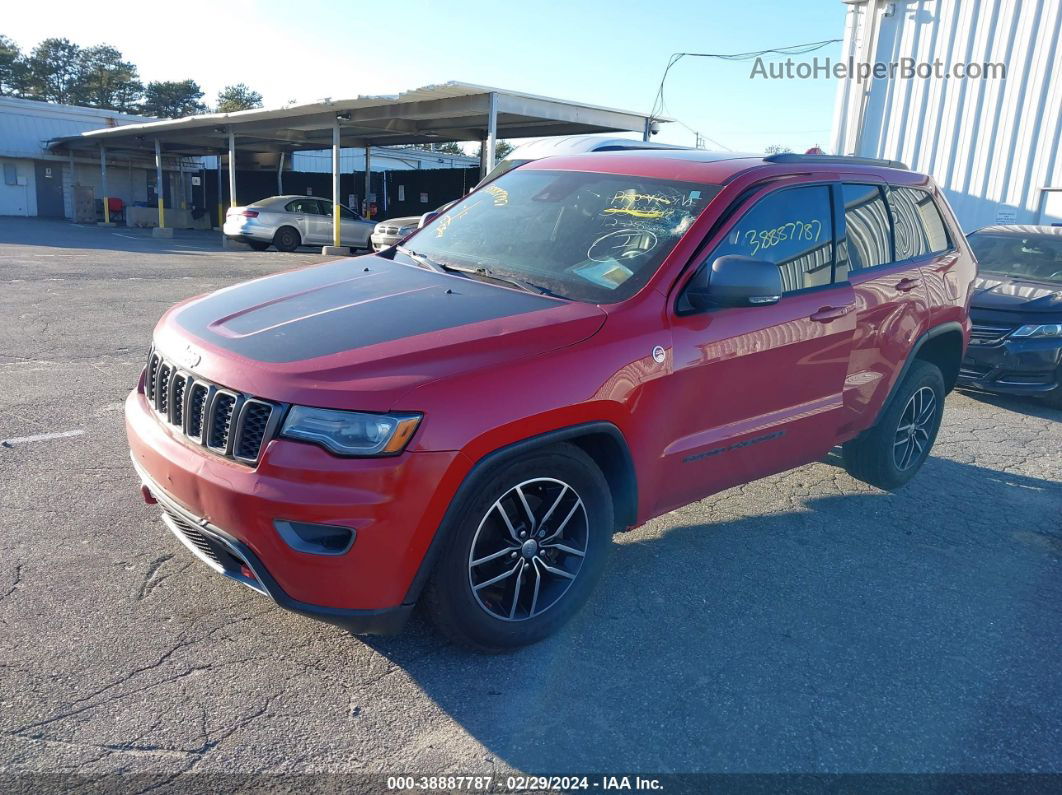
x=433 y=114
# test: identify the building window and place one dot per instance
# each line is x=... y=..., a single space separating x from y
x=10 y=174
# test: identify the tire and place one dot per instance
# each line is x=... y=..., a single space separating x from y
x=258 y=245
x=472 y=600
x=880 y=456
x=287 y=238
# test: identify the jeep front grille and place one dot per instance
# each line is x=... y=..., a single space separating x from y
x=226 y=422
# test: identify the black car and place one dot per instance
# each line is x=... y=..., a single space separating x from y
x=1016 y=311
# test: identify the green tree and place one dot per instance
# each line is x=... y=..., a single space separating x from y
x=238 y=97
x=11 y=63
x=449 y=148
x=107 y=81
x=501 y=150
x=55 y=72
x=776 y=149
x=170 y=99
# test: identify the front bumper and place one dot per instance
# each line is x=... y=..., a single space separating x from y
x=230 y=557
x=380 y=242
x=1013 y=366
x=394 y=504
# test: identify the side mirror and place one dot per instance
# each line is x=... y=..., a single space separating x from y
x=734 y=280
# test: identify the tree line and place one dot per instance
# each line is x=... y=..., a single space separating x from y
x=58 y=70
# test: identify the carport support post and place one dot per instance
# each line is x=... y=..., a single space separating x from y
x=368 y=179
x=221 y=195
x=158 y=184
x=232 y=169
x=280 y=175
x=335 y=183
x=490 y=140
x=103 y=186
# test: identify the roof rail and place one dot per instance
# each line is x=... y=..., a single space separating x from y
x=793 y=157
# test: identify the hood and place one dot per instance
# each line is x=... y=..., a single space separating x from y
x=411 y=220
x=362 y=332
x=1014 y=294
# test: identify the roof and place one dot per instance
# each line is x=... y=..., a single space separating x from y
x=27 y=125
x=432 y=114
x=717 y=168
x=1022 y=230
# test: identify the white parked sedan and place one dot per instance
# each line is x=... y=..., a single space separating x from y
x=288 y=222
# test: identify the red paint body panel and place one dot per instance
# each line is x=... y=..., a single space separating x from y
x=395 y=504
x=739 y=394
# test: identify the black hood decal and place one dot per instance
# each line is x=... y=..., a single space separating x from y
x=343 y=305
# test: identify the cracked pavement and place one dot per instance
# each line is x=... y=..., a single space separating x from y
x=803 y=622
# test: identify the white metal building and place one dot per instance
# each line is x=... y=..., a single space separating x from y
x=39 y=182
x=993 y=143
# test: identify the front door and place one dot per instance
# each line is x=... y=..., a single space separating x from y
x=355 y=230
x=758 y=389
x=49 y=190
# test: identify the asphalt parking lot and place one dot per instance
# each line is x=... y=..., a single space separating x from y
x=804 y=622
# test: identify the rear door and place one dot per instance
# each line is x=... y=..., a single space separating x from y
x=882 y=247
x=758 y=389
x=302 y=213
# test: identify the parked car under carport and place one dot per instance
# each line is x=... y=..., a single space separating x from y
x=288 y=222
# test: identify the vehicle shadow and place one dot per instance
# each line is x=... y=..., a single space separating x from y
x=860 y=631
x=1022 y=405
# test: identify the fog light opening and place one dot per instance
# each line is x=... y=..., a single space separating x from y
x=315 y=539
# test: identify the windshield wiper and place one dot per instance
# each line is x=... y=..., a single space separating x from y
x=512 y=281
x=478 y=272
x=423 y=261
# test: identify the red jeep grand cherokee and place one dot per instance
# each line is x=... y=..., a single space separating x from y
x=581 y=345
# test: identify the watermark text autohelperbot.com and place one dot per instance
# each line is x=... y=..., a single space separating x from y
x=903 y=69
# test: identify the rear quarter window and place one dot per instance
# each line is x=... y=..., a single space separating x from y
x=918 y=229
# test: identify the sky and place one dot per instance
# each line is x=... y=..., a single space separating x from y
x=602 y=53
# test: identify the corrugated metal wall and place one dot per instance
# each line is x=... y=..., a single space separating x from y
x=993 y=144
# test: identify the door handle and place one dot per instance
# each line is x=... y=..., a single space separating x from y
x=828 y=313
x=906 y=285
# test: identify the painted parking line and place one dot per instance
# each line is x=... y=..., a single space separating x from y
x=41 y=437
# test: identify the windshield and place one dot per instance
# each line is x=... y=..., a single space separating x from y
x=587 y=237
x=1037 y=257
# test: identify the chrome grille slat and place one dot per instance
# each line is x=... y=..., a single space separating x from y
x=224 y=421
x=162 y=388
x=986 y=332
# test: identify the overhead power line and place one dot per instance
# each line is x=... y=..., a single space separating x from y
x=794 y=49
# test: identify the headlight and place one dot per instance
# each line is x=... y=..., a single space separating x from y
x=351 y=433
x=1046 y=330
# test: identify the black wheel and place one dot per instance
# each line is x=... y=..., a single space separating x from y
x=524 y=552
x=890 y=453
x=287 y=238
x=258 y=245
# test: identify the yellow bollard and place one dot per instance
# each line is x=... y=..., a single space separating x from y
x=106 y=210
x=162 y=213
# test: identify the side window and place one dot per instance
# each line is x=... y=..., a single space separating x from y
x=348 y=215
x=866 y=220
x=792 y=228
x=322 y=207
x=303 y=206
x=933 y=222
x=918 y=227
